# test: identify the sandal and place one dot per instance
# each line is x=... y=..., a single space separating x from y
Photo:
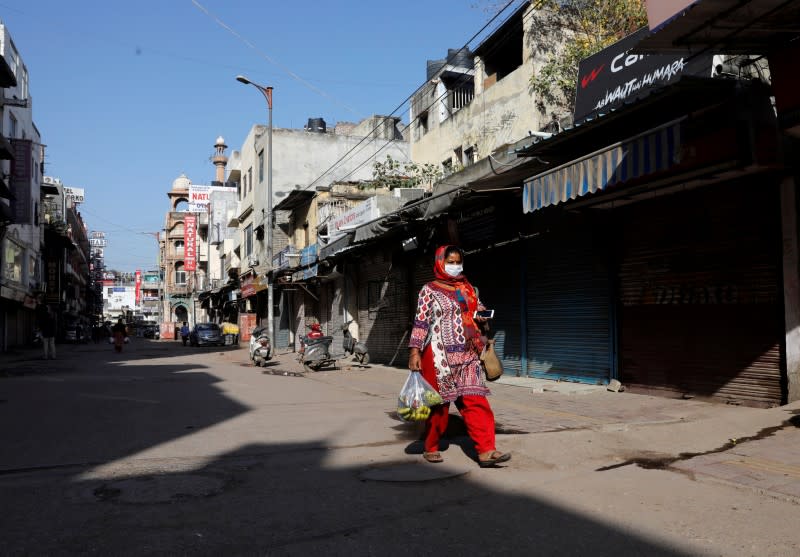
x=434 y=457
x=495 y=458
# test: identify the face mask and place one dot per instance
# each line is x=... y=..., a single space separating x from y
x=453 y=270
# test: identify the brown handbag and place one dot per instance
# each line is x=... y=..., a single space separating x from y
x=491 y=363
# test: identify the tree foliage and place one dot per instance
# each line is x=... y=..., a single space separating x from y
x=394 y=174
x=568 y=31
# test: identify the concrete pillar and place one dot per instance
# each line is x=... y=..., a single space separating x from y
x=791 y=285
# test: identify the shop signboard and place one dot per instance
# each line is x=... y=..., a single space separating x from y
x=190 y=242
x=615 y=75
x=53 y=290
x=200 y=197
x=75 y=194
x=20 y=181
x=138 y=286
x=247 y=322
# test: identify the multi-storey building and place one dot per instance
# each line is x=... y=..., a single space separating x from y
x=22 y=155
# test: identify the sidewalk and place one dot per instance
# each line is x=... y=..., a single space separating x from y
x=748 y=448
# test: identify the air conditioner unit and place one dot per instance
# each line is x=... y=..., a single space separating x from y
x=252 y=261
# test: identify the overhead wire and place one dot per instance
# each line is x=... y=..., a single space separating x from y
x=436 y=100
x=271 y=60
x=403 y=103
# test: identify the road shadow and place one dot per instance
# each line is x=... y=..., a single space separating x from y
x=296 y=499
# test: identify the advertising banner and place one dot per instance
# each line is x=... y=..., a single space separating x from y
x=53 y=282
x=614 y=75
x=200 y=197
x=364 y=212
x=190 y=242
x=20 y=182
x=166 y=331
x=75 y=194
x=247 y=322
x=138 y=286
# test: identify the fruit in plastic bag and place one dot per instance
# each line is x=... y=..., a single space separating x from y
x=416 y=399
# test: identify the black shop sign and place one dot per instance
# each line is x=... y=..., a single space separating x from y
x=615 y=75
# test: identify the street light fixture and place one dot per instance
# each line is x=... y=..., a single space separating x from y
x=267 y=92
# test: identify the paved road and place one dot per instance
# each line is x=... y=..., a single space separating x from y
x=172 y=450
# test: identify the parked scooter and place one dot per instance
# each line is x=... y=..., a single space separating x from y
x=352 y=345
x=260 y=346
x=315 y=352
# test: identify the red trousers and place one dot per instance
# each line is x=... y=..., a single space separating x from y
x=477 y=414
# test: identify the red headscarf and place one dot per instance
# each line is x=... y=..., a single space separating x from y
x=462 y=292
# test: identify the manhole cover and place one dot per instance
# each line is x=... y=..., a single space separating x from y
x=413 y=472
x=161 y=489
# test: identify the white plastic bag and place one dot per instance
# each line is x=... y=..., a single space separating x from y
x=416 y=399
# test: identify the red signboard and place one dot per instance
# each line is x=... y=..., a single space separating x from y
x=190 y=242
x=247 y=322
x=138 y=286
x=166 y=331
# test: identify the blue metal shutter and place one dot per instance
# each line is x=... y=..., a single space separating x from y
x=496 y=275
x=569 y=305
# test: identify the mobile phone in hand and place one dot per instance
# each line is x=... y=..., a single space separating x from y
x=485 y=313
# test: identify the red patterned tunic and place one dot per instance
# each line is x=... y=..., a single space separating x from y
x=438 y=326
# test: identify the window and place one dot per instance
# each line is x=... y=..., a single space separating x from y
x=458 y=156
x=248 y=240
x=260 y=166
x=469 y=156
x=244 y=187
x=422 y=122
x=180 y=274
x=178 y=247
x=447 y=167
x=13 y=126
x=250 y=177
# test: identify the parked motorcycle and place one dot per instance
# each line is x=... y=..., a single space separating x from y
x=260 y=346
x=352 y=345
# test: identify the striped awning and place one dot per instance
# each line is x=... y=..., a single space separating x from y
x=644 y=154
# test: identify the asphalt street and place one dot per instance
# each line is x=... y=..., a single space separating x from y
x=171 y=450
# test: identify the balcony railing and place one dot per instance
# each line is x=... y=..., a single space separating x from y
x=287 y=258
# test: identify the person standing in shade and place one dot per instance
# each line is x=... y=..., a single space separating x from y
x=48 y=328
x=445 y=346
x=120 y=332
x=185 y=332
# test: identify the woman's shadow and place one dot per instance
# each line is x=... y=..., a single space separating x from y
x=456 y=434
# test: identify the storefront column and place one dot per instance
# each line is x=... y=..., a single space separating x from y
x=791 y=286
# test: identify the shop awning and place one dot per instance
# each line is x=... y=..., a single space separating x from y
x=654 y=151
x=731 y=26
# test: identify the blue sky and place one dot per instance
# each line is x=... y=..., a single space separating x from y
x=129 y=95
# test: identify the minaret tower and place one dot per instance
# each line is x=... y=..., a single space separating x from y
x=219 y=159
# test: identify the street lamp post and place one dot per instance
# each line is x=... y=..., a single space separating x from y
x=267 y=92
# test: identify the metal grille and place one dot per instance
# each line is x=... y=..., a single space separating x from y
x=701 y=309
x=568 y=299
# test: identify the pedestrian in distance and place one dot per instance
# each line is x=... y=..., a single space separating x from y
x=185 y=333
x=48 y=328
x=120 y=332
x=445 y=345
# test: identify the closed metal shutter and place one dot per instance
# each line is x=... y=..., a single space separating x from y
x=333 y=312
x=569 y=304
x=283 y=317
x=702 y=306
x=383 y=312
x=496 y=275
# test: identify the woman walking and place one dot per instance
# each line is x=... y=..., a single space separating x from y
x=445 y=346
